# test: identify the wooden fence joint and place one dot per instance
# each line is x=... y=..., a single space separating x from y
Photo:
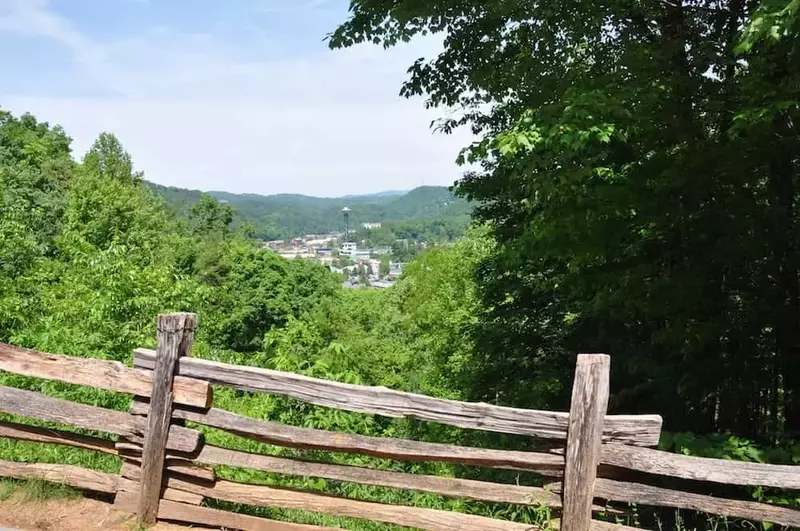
x=588 y=407
x=175 y=336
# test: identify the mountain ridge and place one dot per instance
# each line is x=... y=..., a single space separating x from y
x=280 y=216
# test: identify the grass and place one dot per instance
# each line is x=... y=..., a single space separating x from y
x=36 y=490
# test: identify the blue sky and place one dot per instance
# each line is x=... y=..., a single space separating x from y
x=236 y=95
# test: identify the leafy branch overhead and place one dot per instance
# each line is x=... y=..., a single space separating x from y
x=638 y=166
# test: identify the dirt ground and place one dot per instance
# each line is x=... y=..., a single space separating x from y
x=81 y=514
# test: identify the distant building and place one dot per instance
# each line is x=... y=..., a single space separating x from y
x=395 y=269
x=319 y=242
x=376 y=225
x=374 y=267
x=348 y=248
x=297 y=252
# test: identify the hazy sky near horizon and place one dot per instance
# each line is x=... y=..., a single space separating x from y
x=240 y=95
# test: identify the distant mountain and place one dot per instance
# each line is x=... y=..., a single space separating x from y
x=287 y=215
x=387 y=193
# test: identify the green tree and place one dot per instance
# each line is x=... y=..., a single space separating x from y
x=259 y=291
x=108 y=206
x=404 y=250
x=35 y=168
x=438 y=297
x=640 y=179
x=209 y=217
x=109 y=160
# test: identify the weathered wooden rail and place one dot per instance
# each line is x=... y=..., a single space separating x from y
x=168 y=470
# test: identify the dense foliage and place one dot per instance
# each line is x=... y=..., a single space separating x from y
x=433 y=231
x=640 y=170
x=89 y=255
x=285 y=216
x=639 y=174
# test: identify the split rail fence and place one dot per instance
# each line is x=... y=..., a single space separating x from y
x=167 y=469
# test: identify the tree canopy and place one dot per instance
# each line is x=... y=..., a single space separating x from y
x=638 y=166
x=89 y=255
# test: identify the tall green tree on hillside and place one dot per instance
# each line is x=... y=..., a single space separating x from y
x=209 y=217
x=438 y=297
x=639 y=168
x=35 y=168
x=115 y=267
x=108 y=159
x=108 y=206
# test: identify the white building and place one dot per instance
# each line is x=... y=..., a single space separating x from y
x=297 y=252
x=348 y=249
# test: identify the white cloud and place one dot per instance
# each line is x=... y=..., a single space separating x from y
x=32 y=18
x=265 y=148
x=198 y=111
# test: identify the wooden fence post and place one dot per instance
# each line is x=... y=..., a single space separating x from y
x=584 y=436
x=175 y=336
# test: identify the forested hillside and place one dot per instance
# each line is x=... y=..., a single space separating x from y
x=89 y=255
x=290 y=215
x=635 y=190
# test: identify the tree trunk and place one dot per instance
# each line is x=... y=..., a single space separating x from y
x=787 y=294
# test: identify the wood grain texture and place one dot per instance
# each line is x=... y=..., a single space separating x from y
x=131 y=469
x=465 y=488
x=610 y=489
x=181 y=496
x=308 y=438
x=127 y=448
x=140 y=405
x=93 y=372
x=590 y=391
x=126 y=501
x=498 y=492
x=641 y=430
x=701 y=468
x=23 y=432
x=598 y=525
x=36 y=405
x=430 y=519
x=175 y=336
x=130 y=486
x=74 y=476
x=170 y=510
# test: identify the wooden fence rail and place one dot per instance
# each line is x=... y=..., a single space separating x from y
x=168 y=471
x=643 y=430
x=103 y=374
